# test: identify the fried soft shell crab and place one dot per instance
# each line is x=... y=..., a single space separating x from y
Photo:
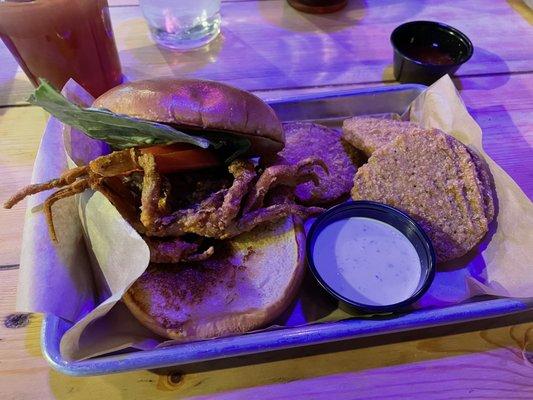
x=139 y=180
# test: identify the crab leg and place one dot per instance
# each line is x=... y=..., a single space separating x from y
x=65 y=179
x=162 y=251
x=151 y=192
x=216 y=213
x=191 y=220
x=244 y=173
x=74 y=188
x=271 y=213
x=287 y=175
x=122 y=162
x=176 y=250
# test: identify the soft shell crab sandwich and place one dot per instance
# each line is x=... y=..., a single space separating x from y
x=183 y=172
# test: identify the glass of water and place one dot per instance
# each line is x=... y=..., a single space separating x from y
x=182 y=24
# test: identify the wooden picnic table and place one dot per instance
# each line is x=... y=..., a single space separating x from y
x=275 y=51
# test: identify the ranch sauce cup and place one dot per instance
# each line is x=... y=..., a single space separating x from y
x=370 y=256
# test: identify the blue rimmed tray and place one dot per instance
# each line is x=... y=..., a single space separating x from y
x=329 y=108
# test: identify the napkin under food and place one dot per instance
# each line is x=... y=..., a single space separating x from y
x=99 y=256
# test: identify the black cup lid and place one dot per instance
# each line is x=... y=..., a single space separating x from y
x=391 y=216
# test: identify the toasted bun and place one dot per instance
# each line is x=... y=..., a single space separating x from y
x=199 y=104
x=245 y=289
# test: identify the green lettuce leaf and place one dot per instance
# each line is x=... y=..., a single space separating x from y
x=119 y=131
x=228 y=146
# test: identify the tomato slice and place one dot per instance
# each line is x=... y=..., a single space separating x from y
x=181 y=157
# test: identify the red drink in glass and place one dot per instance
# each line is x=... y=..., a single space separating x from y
x=61 y=39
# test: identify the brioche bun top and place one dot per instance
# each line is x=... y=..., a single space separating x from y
x=198 y=105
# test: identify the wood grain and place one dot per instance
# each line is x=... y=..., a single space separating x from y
x=267 y=44
x=21 y=129
x=480 y=360
x=464 y=377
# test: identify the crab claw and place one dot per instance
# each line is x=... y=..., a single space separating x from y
x=286 y=175
x=67 y=191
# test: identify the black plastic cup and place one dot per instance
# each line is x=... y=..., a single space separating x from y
x=424 y=51
x=389 y=215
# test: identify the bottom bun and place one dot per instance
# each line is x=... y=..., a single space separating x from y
x=245 y=286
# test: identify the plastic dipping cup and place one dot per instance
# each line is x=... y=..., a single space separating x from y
x=62 y=39
x=424 y=51
x=182 y=24
x=370 y=256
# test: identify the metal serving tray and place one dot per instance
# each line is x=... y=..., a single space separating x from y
x=329 y=108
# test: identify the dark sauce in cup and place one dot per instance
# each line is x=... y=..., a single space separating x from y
x=430 y=55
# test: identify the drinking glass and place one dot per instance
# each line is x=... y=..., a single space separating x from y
x=61 y=39
x=182 y=24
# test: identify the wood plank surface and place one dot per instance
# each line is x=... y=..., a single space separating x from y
x=21 y=129
x=480 y=360
x=267 y=44
x=268 y=47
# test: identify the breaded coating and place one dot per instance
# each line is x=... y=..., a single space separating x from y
x=173 y=250
x=369 y=134
x=432 y=177
x=486 y=184
x=304 y=140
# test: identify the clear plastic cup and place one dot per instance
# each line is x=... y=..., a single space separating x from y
x=182 y=24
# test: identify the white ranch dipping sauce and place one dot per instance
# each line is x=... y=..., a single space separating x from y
x=371 y=263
